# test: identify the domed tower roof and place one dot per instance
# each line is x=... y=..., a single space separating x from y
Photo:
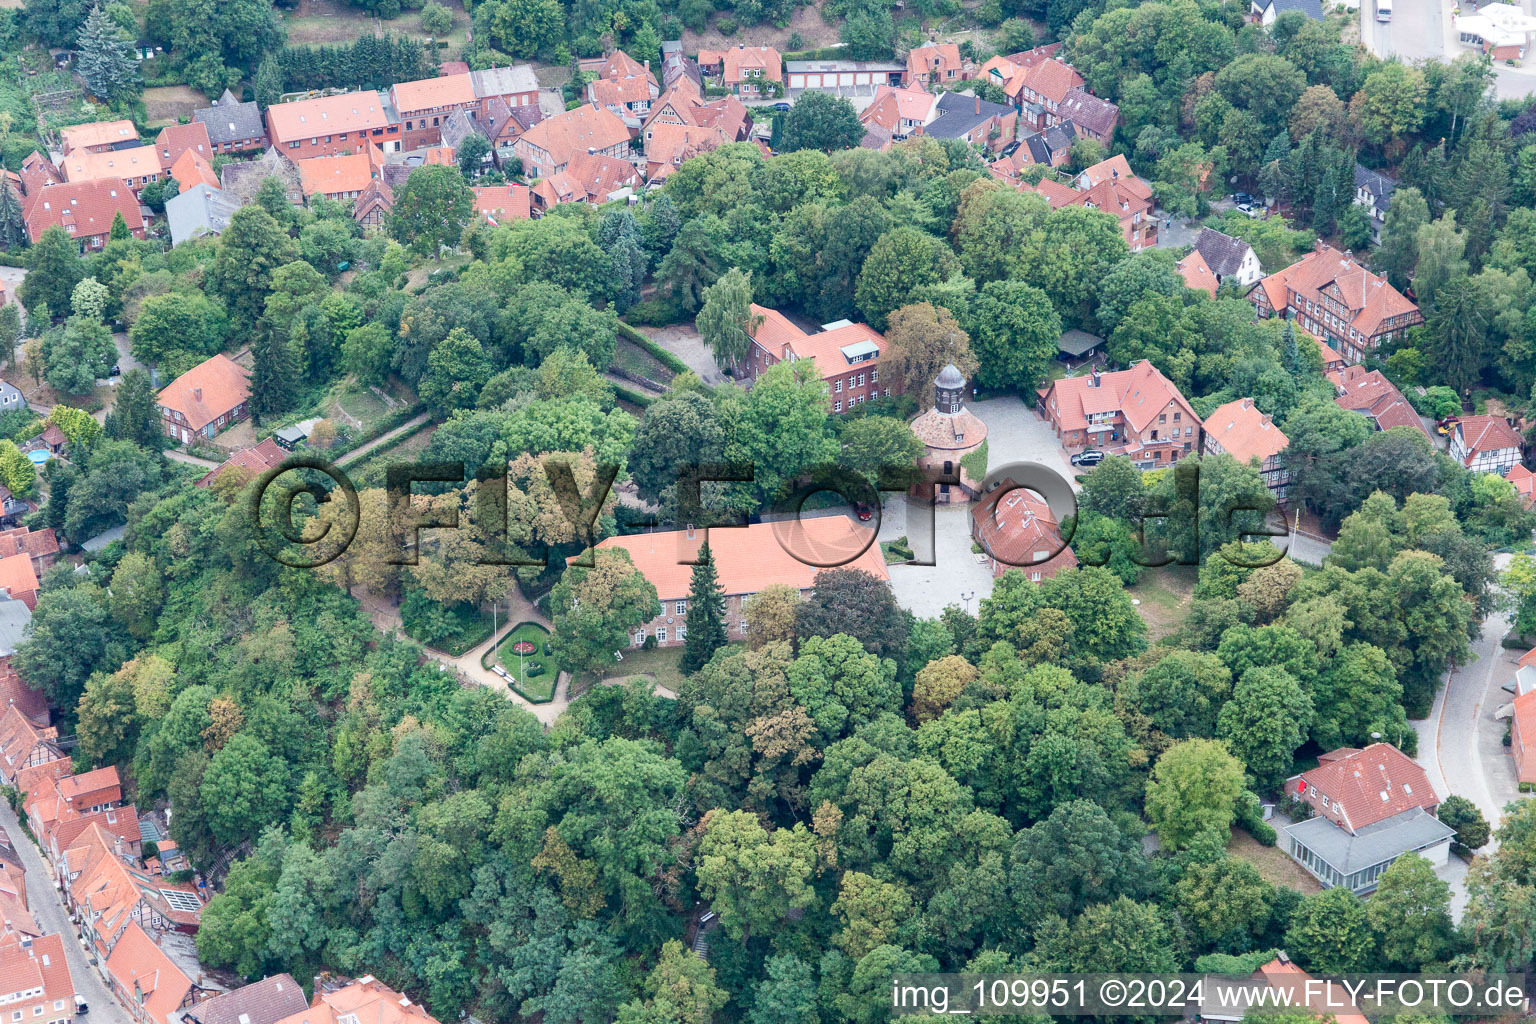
x=949 y=377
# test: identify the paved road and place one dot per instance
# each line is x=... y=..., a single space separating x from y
x=48 y=910
x=176 y=455
x=1424 y=29
x=1461 y=744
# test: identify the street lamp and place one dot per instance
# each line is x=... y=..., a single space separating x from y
x=966 y=597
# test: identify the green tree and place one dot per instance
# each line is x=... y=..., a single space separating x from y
x=824 y=122
x=1014 y=331
x=595 y=610
x=787 y=993
x=852 y=602
x=726 y=322
x=246 y=785
x=1266 y=721
x=13 y=221
x=1410 y=914
x=705 y=617
x=456 y=371
x=137 y=594
x=78 y=355
x=267 y=86
x=680 y=990
x=105 y=57
x=872 y=444
x=1463 y=815
x=903 y=261
x=249 y=251
x=920 y=340
x=135 y=416
x=53 y=269
x=1329 y=933
x=752 y=877
x=71 y=636
x=1195 y=788
x=274 y=374
x=435 y=18
x=431 y=209
x=473 y=150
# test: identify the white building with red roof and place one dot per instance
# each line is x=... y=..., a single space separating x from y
x=1371 y=806
x=624 y=86
x=846 y=354
x=1334 y=297
x=1240 y=430
x=901 y=111
x=549 y=146
x=1138 y=413
x=747 y=559
x=1486 y=444
x=35 y=984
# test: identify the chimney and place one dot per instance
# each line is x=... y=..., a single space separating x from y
x=1095 y=382
x=197 y=394
x=978 y=104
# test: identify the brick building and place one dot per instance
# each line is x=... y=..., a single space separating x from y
x=847 y=356
x=1335 y=298
x=1137 y=413
x=333 y=124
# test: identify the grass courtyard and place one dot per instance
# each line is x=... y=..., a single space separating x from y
x=538 y=688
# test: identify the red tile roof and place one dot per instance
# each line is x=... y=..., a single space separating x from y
x=935 y=59
x=177 y=139
x=1197 y=274
x=15 y=693
x=191 y=169
x=430 y=93
x=39 y=964
x=1369 y=299
x=893 y=105
x=98 y=133
x=1138 y=394
x=336 y=175
x=1118 y=171
x=17 y=575
x=82 y=208
x=308 y=119
x=568 y=135
x=751 y=558
x=117 y=164
x=782 y=339
x=1244 y=432
x=1524 y=481
x=1018 y=530
x=1052 y=79
x=497 y=203
x=1369 y=392
x=141 y=969
x=214 y=387
x=1373 y=784
x=1486 y=434
x=364 y=1001
x=739 y=59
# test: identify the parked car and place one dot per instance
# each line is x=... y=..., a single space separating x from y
x=117 y=371
x=863 y=511
x=781 y=105
x=1248 y=209
x=1091 y=457
x=1447 y=426
x=1242 y=197
x=81 y=1006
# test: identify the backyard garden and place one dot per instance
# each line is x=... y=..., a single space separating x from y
x=523 y=655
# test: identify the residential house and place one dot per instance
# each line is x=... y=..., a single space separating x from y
x=1008 y=72
x=459 y=126
x=131 y=168
x=424 y=105
x=1522 y=726
x=903 y=112
x=549 y=146
x=177 y=139
x=248 y=462
x=11 y=398
x=1137 y=412
x=1095 y=118
x=205 y=399
x=745 y=70
x=199 y=209
x=343 y=1001
x=60 y=807
x=147 y=981
x=510 y=86
x=1371 y=806
x=98 y=137
x=499 y=204
x=681 y=126
x=1266 y=11
x=1053 y=191
x=846 y=355
x=1229 y=257
x=587 y=178
x=110 y=897
x=25 y=744
x=16 y=920
x=1525 y=484
x=1051 y=147
x=676 y=67
x=342 y=178
x=850 y=79
x=241 y=179
x=950 y=433
x=329 y=125
x=1369 y=393
x=1131 y=203
x=41 y=546
x=1248 y=435
x=1486 y=444
x=1335 y=298
x=1016 y=530
x=35 y=984
x=1332 y=360
x=624 y=87
x=1225 y=1000
x=261 y=1002
x=746 y=560
x=36 y=173
x=14 y=692
x=233 y=127
x=192 y=169
x=372 y=205
x=937 y=64
x=1043 y=89
x=1373 y=190
x=1197 y=273
x=981 y=123
x=18 y=579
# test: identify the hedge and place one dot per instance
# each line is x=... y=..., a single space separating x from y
x=658 y=353
x=630 y=395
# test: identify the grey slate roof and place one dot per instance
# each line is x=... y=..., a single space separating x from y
x=262 y=1002
x=457 y=127
x=1414 y=829
x=1055 y=139
x=1311 y=8
x=14 y=616
x=1378 y=185
x=201 y=209
x=1222 y=253
x=1078 y=343
x=1096 y=115
x=229 y=120
x=503 y=81
x=958 y=115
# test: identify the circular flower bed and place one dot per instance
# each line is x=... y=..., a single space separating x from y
x=523 y=647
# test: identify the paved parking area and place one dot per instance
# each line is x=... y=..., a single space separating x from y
x=1016 y=434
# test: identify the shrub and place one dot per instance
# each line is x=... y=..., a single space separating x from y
x=727 y=26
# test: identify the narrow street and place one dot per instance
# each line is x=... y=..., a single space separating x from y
x=47 y=908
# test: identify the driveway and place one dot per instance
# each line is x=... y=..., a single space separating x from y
x=47 y=908
x=125 y=360
x=1016 y=434
x=683 y=341
x=955 y=578
x=10 y=279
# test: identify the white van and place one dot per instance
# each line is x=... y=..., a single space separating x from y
x=1383 y=10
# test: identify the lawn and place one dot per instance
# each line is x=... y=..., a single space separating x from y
x=1164 y=594
x=658 y=665
x=327 y=22
x=370 y=472
x=537 y=688
x=360 y=409
x=164 y=104
x=456 y=630
x=1272 y=863
x=634 y=359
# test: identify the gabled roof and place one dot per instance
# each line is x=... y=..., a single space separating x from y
x=231 y=121
x=137 y=162
x=783 y=340
x=1378 y=185
x=1525 y=485
x=19 y=736
x=1311 y=8
x=1222 y=253
x=142 y=969
x=17 y=575
x=14 y=692
x=498 y=203
x=333 y=175
x=210 y=389
x=261 y=1002
x=326 y=115
x=98 y=133
x=177 y=139
x=1116 y=170
x=258 y=459
x=1138 y=394
x=959 y=114
x=572 y=133
x=894 y=104
x=1486 y=434
x=1369 y=392
x=594 y=176
x=935 y=59
x=199 y=209
x=364 y=1001
x=1052 y=79
x=191 y=169
x=1018 y=529
x=512 y=80
x=1096 y=115
x=747 y=559
x=430 y=93
x=738 y=59
x=36 y=172
x=1369 y=298
x=38 y=964
x=1197 y=273
x=1244 y=432
x=1373 y=784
